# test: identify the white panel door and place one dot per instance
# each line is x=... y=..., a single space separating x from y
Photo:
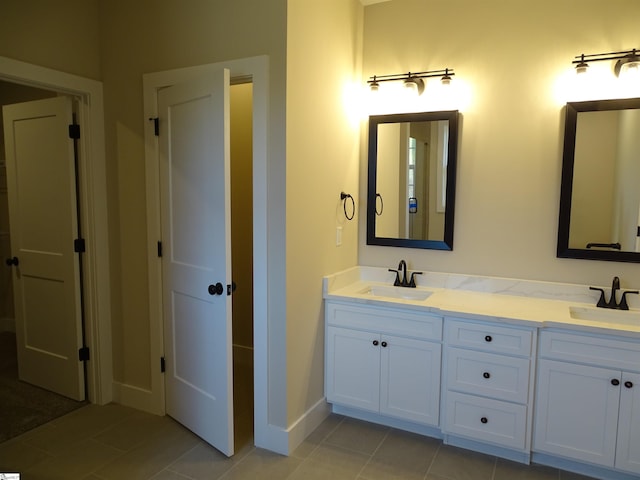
x=196 y=261
x=353 y=368
x=43 y=222
x=577 y=411
x=410 y=379
x=628 y=453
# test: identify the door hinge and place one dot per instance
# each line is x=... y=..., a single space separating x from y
x=74 y=131
x=156 y=125
x=159 y=249
x=83 y=354
x=162 y=365
x=79 y=245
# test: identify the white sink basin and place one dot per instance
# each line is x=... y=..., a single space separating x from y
x=594 y=314
x=402 y=293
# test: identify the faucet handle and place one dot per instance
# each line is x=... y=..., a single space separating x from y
x=602 y=303
x=623 y=301
x=397 y=281
x=412 y=282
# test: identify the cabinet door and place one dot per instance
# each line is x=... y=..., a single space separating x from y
x=628 y=452
x=577 y=411
x=352 y=376
x=410 y=379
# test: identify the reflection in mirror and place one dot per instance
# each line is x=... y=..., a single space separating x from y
x=600 y=196
x=412 y=162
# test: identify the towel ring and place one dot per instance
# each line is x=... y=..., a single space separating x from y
x=378 y=213
x=343 y=197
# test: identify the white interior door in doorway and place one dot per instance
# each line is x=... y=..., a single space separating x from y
x=41 y=184
x=196 y=256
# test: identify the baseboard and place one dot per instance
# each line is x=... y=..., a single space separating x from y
x=580 y=468
x=307 y=423
x=135 y=397
x=7 y=325
x=285 y=441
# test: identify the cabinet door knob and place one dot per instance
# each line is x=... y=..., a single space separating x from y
x=615 y=382
x=375 y=342
x=628 y=384
x=384 y=344
x=488 y=338
x=486 y=375
x=484 y=419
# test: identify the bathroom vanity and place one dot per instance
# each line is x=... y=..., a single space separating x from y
x=529 y=371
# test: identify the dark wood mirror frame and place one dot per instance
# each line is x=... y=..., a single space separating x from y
x=568 y=161
x=450 y=194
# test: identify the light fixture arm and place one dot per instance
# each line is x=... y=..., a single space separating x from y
x=626 y=56
x=443 y=73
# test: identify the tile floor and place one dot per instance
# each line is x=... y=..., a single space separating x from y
x=115 y=442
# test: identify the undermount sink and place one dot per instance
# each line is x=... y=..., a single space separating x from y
x=595 y=314
x=402 y=293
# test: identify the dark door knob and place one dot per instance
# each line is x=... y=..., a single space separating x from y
x=375 y=342
x=384 y=344
x=484 y=419
x=216 y=289
x=615 y=382
x=486 y=375
x=488 y=338
x=12 y=261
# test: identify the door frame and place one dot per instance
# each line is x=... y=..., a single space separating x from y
x=256 y=68
x=93 y=205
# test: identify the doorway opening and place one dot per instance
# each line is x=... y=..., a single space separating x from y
x=241 y=134
x=25 y=406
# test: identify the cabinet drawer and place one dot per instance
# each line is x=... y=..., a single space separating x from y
x=486 y=420
x=385 y=320
x=489 y=337
x=481 y=373
x=599 y=351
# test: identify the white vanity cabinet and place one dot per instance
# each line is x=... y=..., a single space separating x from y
x=488 y=383
x=385 y=361
x=588 y=399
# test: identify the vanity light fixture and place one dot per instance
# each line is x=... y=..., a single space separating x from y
x=626 y=61
x=413 y=81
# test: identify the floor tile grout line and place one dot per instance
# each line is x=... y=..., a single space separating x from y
x=433 y=460
x=375 y=450
x=168 y=467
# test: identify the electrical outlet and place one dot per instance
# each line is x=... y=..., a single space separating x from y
x=338 y=236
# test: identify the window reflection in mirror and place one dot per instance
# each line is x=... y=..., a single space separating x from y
x=412 y=179
x=600 y=198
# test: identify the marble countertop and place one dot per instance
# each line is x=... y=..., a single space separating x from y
x=535 y=304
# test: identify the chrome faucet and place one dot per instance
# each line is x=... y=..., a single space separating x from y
x=613 y=302
x=401 y=276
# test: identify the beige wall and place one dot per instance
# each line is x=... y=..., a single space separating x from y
x=242 y=212
x=511 y=54
x=323 y=53
x=62 y=35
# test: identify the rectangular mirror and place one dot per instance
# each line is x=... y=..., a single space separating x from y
x=600 y=192
x=412 y=176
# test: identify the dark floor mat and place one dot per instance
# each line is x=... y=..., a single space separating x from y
x=24 y=406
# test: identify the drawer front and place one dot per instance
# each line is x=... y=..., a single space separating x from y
x=385 y=320
x=488 y=337
x=600 y=351
x=481 y=373
x=486 y=420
